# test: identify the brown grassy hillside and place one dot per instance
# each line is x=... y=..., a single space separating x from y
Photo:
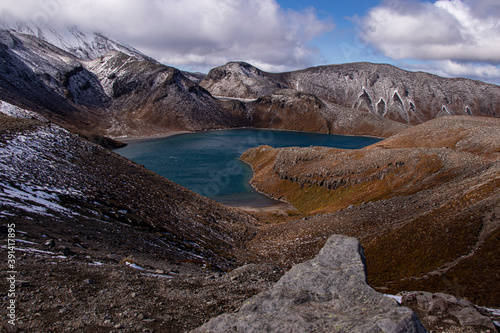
x=424 y=204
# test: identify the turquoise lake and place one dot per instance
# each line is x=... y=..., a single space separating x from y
x=208 y=162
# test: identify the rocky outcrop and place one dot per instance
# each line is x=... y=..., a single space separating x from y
x=423 y=203
x=326 y=294
x=440 y=310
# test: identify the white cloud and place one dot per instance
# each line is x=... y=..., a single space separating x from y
x=448 y=68
x=456 y=30
x=200 y=33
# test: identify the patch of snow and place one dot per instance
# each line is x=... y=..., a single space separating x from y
x=25 y=241
x=6 y=214
x=17 y=112
x=30 y=250
x=131 y=264
x=43 y=153
x=397 y=298
x=159 y=275
x=236 y=99
x=32 y=200
x=96 y=263
x=495 y=312
x=197 y=256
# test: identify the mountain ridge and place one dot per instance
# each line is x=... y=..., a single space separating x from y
x=380 y=89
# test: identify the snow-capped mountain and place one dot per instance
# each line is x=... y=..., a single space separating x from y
x=115 y=94
x=85 y=45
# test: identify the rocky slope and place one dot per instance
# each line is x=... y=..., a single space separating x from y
x=424 y=202
x=150 y=98
x=101 y=243
x=379 y=89
x=72 y=187
x=287 y=109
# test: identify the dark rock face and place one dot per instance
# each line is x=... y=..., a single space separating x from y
x=149 y=98
x=289 y=109
x=444 y=310
x=326 y=294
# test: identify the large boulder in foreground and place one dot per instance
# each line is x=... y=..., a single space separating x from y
x=326 y=294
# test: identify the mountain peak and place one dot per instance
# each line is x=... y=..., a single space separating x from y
x=83 y=44
x=240 y=80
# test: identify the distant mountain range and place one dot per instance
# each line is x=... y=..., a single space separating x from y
x=380 y=89
x=91 y=84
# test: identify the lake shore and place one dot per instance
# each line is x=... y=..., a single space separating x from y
x=127 y=139
x=280 y=208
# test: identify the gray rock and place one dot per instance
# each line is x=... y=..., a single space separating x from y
x=471 y=317
x=326 y=294
x=115 y=257
x=446 y=309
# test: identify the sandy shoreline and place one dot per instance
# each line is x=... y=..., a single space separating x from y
x=127 y=139
x=281 y=208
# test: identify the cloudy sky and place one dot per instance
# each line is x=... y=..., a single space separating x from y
x=445 y=37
